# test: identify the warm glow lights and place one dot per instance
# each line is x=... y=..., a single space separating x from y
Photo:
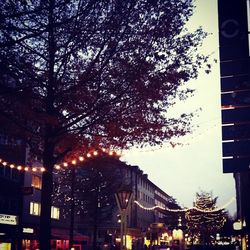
x=80 y=158
x=57 y=167
x=185 y=209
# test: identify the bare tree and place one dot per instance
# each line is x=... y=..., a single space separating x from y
x=75 y=74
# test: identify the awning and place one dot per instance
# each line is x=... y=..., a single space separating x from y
x=63 y=234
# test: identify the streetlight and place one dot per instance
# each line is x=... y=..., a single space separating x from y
x=123 y=197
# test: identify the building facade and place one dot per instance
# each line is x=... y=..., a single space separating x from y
x=234 y=17
x=11 y=183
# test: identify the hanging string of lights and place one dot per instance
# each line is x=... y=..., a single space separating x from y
x=206 y=210
x=79 y=159
x=186 y=140
x=91 y=154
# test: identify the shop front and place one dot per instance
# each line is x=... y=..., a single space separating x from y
x=59 y=241
x=8 y=231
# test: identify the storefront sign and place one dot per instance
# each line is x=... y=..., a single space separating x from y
x=8 y=219
x=28 y=230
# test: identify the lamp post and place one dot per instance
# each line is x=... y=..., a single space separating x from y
x=123 y=198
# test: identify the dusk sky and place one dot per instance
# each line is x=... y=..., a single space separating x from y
x=197 y=165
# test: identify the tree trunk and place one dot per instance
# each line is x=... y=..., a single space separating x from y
x=95 y=236
x=46 y=202
x=48 y=159
x=95 y=222
x=72 y=212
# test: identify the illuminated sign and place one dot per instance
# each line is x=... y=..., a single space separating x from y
x=8 y=219
x=28 y=230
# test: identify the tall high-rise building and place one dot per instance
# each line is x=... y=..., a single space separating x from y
x=235 y=99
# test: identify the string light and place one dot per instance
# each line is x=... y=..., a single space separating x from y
x=19 y=168
x=80 y=158
x=57 y=167
x=186 y=209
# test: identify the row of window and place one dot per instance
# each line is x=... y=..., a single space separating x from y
x=7 y=140
x=145 y=185
x=9 y=173
x=11 y=205
x=14 y=174
x=159 y=203
x=144 y=197
x=7 y=204
x=164 y=197
x=35 y=209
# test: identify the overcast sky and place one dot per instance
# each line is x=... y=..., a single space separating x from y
x=197 y=165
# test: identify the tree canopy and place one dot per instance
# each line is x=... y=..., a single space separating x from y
x=95 y=183
x=75 y=74
x=85 y=68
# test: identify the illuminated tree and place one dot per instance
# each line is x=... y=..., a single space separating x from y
x=94 y=185
x=205 y=219
x=75 y=74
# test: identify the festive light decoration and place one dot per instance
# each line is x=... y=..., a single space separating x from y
x=209 y=221
x=206 y=210
x=65 y=164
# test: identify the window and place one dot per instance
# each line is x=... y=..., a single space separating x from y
x=14 y=205
x=1 y=170
x=15 y=174
x=55 y=213
x=35 y=208
x=36 y=182
x=7 y=172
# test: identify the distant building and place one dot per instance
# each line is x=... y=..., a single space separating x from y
x=141 y=218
